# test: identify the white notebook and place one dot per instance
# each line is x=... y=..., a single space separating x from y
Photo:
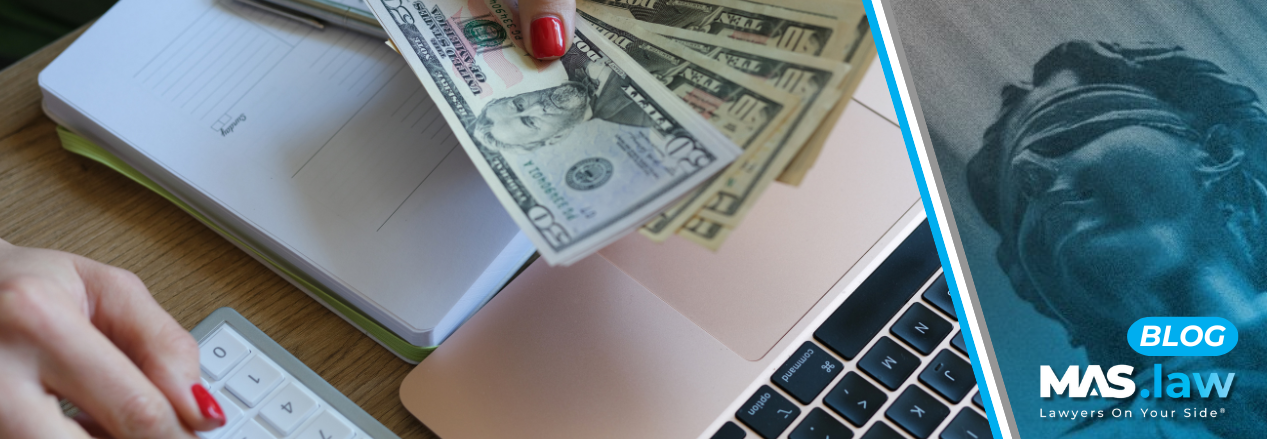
x=317 y=147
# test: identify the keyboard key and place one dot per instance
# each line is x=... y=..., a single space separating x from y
x=254 y=380
x=976 y=399
x=889 y=363
x=949 y=375
x=855 y=399
x=968 y=425
x=768 y=413
x=231 y=414
x=326 y=426
x=288 y=408
x=917 y=412
x=232 y=411
x=958 y=343
x=922 y=328
x=882 y=295
x=251 y=430
x=807 y=372
x=938 y=294
x=730 y=431
x=820 y=425
x=221 y=352
x=882 y=431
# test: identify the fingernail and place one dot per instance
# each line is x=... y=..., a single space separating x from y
x=207 y=405
x=547 y=37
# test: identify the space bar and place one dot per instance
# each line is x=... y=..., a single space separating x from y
x=882 y=295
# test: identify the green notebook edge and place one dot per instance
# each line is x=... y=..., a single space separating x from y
x=78 y=145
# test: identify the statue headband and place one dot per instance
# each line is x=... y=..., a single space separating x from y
x=1071 y=117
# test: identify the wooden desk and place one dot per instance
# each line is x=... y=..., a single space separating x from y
x=54 y=199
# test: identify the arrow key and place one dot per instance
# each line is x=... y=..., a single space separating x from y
x=856 y=399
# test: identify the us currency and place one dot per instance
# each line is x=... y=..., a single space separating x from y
x=580 y=150
x=816 y=81
x=704 y=232
x=781 y=28
x=711 y=234
x=859 y=55
x=851 y=12
x=804 y=160
x=746 y=109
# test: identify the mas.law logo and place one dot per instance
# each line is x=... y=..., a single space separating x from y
x=1155 y=337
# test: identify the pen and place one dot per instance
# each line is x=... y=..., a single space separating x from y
x=319 y=13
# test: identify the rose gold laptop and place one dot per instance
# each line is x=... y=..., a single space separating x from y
x=822 y=316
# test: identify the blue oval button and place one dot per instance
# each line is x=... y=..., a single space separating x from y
x=1182 y=336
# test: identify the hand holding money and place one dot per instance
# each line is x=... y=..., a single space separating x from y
x=637 y=120
x=581 y=150
x=550 y=24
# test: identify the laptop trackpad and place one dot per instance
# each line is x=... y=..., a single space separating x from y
x=793 y=245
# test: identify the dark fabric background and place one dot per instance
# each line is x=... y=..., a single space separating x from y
x=27 y=25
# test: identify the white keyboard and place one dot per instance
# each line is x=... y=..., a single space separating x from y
x=266 y=393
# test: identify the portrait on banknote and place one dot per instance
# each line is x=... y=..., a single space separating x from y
x=530 y=120
x=580 y=150
x=1103 y=162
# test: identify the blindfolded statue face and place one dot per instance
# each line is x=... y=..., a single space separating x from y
x=1124 y=212
x=1118 y=195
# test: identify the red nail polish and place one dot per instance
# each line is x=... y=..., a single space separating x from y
x=547 y=37
x=207 y=405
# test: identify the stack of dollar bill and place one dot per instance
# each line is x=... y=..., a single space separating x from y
x=667 y=116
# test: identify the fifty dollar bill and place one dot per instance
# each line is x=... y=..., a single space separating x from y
x=579 y=150
x=816 y=81
x=707 y=85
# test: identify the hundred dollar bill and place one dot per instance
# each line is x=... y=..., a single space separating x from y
x=760 y=24
x=746 y=109
x=580 y=150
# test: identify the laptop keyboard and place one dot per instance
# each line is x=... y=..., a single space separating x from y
x=883 y=365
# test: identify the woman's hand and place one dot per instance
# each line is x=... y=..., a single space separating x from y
x=74 y=328
x=550 y=26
